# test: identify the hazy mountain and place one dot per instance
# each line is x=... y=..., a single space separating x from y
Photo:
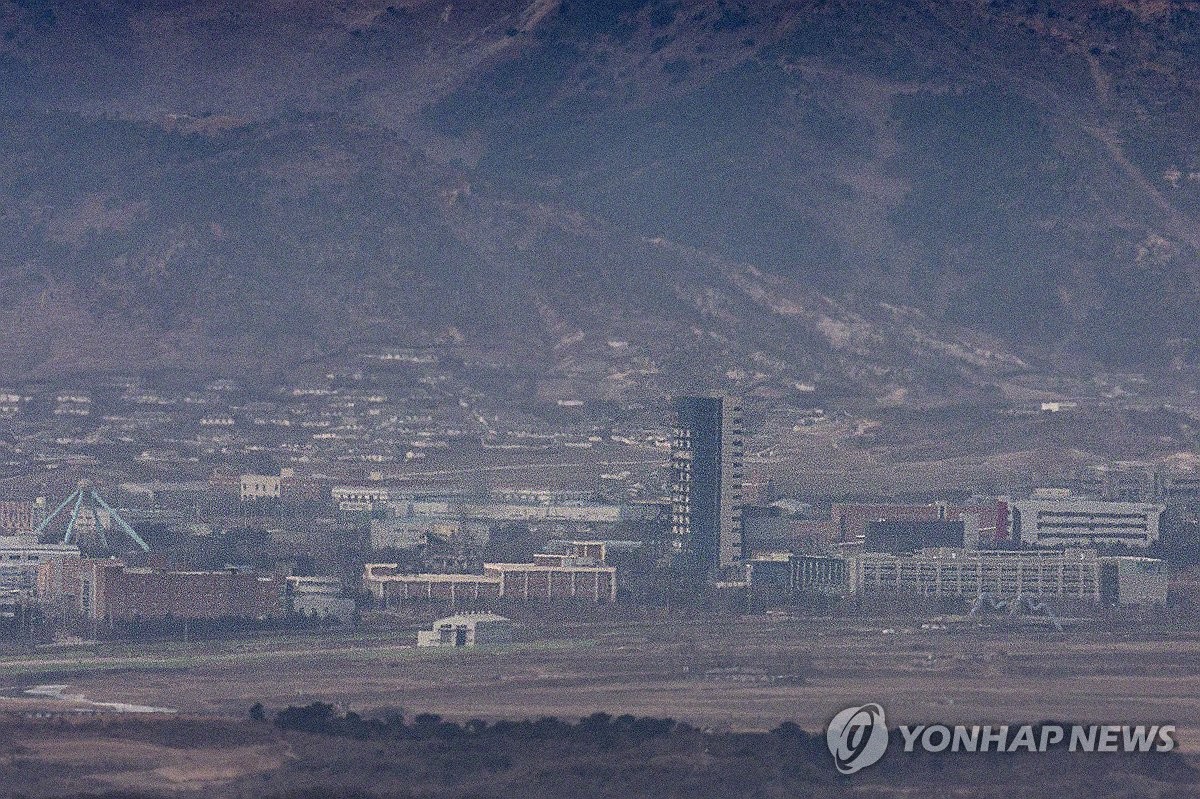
x=914 y=197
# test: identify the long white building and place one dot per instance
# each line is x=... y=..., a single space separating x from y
x=1072 y=574
x=1077 y=522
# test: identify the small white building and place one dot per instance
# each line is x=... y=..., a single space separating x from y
x=468 y=629
x=259 y=486
x=359 y=497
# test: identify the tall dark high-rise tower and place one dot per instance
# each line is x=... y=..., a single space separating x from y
x=706 y=481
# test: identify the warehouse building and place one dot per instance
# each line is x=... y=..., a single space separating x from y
x=318 y=596
x=1133 y=581
x=468 y=629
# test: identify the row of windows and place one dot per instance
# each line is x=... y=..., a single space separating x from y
x=1049 y=514
x=1056 y=533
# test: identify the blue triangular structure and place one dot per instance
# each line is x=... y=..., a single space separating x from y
x=86 y=496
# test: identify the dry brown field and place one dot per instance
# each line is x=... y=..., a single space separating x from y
x=725 y=673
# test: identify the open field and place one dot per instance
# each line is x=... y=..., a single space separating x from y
x=724 y=673
x=740 y=673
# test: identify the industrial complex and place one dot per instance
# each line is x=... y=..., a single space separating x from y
x=346 y=547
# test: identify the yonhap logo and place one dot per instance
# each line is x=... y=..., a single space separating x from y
x=857 y=737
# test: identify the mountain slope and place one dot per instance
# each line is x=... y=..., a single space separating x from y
x=917 y=197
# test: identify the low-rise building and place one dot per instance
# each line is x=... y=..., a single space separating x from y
x=910 y=535
x=1133 y=581
x=468 y=629
x=359 y=497
x=109 y=590
x=391 y=587
x=20 y=516
x=820 y=574
x=20 y=558
x=589 y=513
x=318 y=596
x=550 y=577
x=259 y=486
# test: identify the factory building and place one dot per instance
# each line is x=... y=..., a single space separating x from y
x=60 y=581
x=1069 y=521
x=117 y=592
x=468 y=629
x=110 y=590
x=851 y=519
x=798 y=574
x=1072 y=574
x=769 y=571
x=707 y=447
x=550 y=577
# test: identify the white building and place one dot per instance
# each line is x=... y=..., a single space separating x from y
x=259 y=486
x=468 y=629
x=1134 y=581
x=20 y=557
x=1070 y=574
x=1067 y=521
x=359 y=497
x=319 y=596
x=1075 y=574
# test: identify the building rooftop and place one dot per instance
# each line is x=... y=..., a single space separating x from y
x=469 y=618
